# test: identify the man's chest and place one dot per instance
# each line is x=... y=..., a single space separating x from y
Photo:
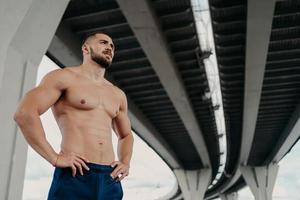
x=91 y=97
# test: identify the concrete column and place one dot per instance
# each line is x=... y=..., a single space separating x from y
x=28 y=27
x=232 y=196
x=193 y=183
x=10 y=18
x=261 y=180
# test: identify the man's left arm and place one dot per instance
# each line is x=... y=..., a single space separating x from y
x=122 y=127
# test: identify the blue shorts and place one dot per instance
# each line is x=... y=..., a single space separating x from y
x=95 y=184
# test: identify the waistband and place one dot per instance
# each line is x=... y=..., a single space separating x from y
x=94 y=167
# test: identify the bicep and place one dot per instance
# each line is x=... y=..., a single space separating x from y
x=39 y=99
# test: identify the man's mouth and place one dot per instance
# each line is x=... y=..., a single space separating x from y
x=109 y=54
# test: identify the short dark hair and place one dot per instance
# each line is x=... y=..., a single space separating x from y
x=88 y=35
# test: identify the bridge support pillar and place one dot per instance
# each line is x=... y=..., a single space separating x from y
x=261 y=180
x=193 y=183
x=27 y=28
x=232 y=196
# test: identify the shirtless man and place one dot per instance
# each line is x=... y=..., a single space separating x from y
x=86 y=107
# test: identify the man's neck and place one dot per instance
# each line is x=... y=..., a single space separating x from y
x=92 y=71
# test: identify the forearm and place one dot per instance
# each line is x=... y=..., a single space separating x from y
x=125 y=146
x=32 y=129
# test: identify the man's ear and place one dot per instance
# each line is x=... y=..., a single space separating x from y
x=85 y=49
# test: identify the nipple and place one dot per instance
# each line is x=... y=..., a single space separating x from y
x=82 y=101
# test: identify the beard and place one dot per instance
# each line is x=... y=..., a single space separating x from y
x=100 y=60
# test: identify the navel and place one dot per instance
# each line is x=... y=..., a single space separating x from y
x=82 y=101
x=100 y=142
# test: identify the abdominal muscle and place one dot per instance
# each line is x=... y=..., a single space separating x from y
x=95 y=147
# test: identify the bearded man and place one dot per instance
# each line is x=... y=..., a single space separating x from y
x=86 y=107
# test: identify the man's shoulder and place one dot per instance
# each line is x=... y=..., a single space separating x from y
x=59 y=72
x=119 y=91
x=59 y=76
x=70 y=70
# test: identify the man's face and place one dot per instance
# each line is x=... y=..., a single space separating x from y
x=101 y=50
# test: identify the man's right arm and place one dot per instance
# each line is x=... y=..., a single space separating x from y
x=36 y=102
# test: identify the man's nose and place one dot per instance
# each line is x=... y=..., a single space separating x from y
x=108 y=48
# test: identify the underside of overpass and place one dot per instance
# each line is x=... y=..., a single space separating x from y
x=161 y=66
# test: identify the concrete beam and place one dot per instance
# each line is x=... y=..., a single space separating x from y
x=193 y=183
x=30 y=27
x=87 y=16
x=259 y=25
x=232 y=180
x=149 y=134
x=147 y=30
x=261 y=180
x=291 y=134
x=66 y=48
x=10 y=18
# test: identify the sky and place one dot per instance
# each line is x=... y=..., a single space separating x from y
x=150 y=178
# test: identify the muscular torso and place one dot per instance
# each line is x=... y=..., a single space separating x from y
x=84 y=114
